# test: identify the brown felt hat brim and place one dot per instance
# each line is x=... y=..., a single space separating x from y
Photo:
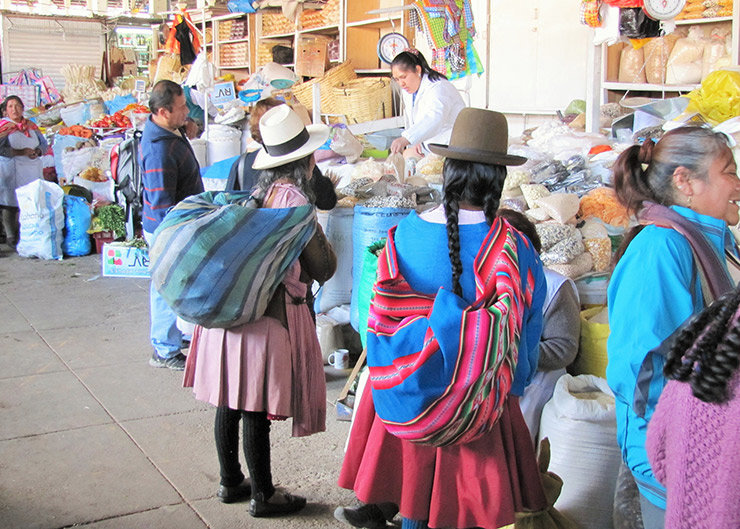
x=475 y=155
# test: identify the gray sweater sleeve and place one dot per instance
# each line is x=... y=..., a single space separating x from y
x=561 y=330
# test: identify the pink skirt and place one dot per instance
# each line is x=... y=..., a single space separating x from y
x=247 y=367
x=478 y=484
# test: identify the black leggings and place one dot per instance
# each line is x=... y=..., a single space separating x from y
x=256 y=438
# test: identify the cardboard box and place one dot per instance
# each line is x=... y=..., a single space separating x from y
x=312 y=58
x=125 y=261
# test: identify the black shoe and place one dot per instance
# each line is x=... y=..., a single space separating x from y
x=176 y=363
x=236 y=493
x=369 y=516
x=260 y=507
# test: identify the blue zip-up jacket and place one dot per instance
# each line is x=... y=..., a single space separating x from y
x=655 y=287
x=169 y=171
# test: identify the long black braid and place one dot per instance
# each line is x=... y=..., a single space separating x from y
x=476 y=184
x=706 y=353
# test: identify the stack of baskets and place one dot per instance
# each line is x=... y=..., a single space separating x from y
x=316 y=18
x=274 y=23
x=337 y=75
x=234 y=54
x=364 y=99
x=344 y=94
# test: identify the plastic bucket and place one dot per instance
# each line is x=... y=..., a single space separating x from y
x=200 y=147
x=368 y=226
x=223 y=142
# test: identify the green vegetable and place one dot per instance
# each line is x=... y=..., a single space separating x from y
x=111 y=218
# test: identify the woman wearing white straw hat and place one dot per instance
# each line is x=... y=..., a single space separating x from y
x=272 y=368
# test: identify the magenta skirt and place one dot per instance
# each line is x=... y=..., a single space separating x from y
x=478 y=484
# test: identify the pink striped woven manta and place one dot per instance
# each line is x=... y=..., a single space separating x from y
x=441 y=369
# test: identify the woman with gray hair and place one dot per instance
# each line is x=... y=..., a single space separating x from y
x=683 y=191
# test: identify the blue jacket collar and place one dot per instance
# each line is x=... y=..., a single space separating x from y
x=714 y=229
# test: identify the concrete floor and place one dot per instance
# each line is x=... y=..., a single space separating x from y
x=91 y=435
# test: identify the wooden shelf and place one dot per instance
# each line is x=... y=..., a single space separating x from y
x=278 y=36
x=692 y=21
x=235 y=41
x=646 y=87
x=334 y=28
x=243 y=67
x=374 y=22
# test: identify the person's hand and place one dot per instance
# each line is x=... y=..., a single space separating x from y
x=414 y=151
x=399 y=144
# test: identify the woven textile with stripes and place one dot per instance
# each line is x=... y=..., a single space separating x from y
x=217 y=261
x=441 y=369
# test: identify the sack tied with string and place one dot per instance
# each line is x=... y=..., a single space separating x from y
x=217 y=259
x=441 y=369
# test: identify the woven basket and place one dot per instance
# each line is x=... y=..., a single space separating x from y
x=337 y=75
x=365 y=99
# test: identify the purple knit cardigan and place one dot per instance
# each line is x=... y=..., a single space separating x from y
x=694 y=449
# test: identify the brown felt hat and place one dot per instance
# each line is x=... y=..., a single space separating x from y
x=479 y=135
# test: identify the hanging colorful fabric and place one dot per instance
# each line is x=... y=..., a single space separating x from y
x=590 y=13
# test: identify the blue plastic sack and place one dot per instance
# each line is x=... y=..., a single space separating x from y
x=369 y=225
x=77 y=219
x=241 y=6
x=118 y=103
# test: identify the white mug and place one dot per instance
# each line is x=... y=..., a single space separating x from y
x=339 y=359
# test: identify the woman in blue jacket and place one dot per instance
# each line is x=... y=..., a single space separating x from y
x=683 y=191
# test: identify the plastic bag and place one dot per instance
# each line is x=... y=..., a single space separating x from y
x=240 y=6
x=632 y=65
x=76 y=161
x=657 y=52
x=592 y=359
x=41 y=220
x=343 y=142
x=718 y=97
x=635 y=24
x=685 y=62
x=77 y=218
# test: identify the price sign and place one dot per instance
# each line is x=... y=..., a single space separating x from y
x=223 y=93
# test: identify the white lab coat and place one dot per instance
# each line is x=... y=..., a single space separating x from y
x=430 y=116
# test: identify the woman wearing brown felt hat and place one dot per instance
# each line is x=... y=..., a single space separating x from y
x=484 y=480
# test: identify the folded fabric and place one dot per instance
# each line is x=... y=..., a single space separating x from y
x=217 y=261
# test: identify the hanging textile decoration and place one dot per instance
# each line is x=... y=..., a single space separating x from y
x=449 y=28
x=183 y=39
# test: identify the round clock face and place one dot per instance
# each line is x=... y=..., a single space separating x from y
x=390 y=45
x=663 y=9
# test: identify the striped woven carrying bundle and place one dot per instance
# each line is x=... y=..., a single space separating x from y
x=217 y=261
x=441 y=369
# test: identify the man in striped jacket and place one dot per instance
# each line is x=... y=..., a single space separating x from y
x=170 y=173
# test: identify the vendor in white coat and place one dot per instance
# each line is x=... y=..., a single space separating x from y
x=21 y=147
x=432 y=103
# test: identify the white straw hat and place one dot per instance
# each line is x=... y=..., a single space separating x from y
x=285 y=139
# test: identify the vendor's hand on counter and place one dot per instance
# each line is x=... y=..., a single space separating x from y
x=399 y=144
x=413 y=152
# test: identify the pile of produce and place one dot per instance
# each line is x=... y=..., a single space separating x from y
x=76 y=130
x=120 y=119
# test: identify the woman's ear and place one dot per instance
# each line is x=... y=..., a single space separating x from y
x=682 y=180
x=418 y=70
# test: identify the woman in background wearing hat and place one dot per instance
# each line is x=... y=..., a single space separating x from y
x=481 y=483
x=272 y=368
x=432 y=103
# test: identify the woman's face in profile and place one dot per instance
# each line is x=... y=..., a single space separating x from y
x=717 y=196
